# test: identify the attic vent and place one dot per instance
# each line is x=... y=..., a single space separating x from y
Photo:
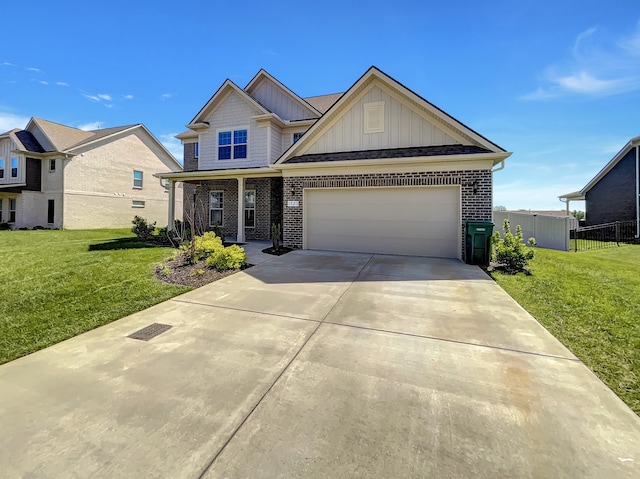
x=374 y=117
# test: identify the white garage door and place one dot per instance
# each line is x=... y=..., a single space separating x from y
x=421 y=221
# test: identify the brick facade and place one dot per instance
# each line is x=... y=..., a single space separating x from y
x=268 y=205
x=476 y=194
x=190 y=161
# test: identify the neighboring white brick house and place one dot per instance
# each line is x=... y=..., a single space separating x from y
x=377 y=169
x=74 y=179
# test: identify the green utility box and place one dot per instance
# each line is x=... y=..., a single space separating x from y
x=478 y=242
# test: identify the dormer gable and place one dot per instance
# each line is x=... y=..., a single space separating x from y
x=200 y=121
x=279 y=99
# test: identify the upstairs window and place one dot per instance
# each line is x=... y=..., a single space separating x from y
x=137 y=179
x=1 y=168
x=296 y=136
x=14 y=167
x=232 y=144
x=52 y=167
x=196 y=150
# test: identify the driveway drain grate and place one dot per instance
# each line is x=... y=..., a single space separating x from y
x=150 y=332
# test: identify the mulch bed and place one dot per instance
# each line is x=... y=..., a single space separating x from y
x=193 y=275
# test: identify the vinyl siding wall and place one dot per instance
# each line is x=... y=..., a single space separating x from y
x=232 y=114
x=403 y=127
x=276 y=100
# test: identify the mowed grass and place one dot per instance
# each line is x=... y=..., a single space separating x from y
x=57 y=284
x=591 y=302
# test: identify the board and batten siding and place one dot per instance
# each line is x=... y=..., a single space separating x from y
x=234 y=112
x=403 y=127
x=280 y=102
x=6 y=148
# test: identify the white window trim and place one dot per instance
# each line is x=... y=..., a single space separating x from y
x=141 y=179
x=254 y=208
x=3 y=168
x=138 y=203
x=231 y=129
x=52 y=161
x=221 y=209
x=370 y=109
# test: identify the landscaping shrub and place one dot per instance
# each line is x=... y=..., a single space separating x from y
x=5 y=226
x=143 y=230
x=202 y=247
x=511 y=254
x=231 y=257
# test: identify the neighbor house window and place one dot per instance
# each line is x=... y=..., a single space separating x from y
x=14 y=167
x=12 y=210
x=232 y=144
x=216 y=205
x=50 y=211
x=250 y=209
x=137 y=204
x=52 y=165
x=1 y=168
x=137 y=179
x=1 y=210
x=296 y=136
x=196 y=150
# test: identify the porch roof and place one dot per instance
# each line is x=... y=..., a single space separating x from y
x=201 y=175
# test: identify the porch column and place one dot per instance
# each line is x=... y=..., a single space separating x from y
x=172 y=206
x=240 y=237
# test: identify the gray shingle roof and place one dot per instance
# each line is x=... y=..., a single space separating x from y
x=410 y=152
x=29 y=141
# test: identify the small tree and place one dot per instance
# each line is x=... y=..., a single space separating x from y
x=579 y=215
x=511 y=253
x=275 y=236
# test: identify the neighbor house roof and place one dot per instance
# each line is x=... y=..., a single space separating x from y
x=60 y=136
x=580 y=195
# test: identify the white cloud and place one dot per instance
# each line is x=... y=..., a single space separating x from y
x=62 y=83
x=128 y=97
x=8 y=64
x=104 y=96
x=42 y=82
x=598 y=67
x=31 y=69
x=166 y=96
x=91 y=97
x=631 y=44
x=9 y=121
x=94 y=125
x=173 y=145
x=583 y=82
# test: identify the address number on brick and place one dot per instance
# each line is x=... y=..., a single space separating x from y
x=291 y=203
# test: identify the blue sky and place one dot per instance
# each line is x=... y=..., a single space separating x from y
x=555 y=82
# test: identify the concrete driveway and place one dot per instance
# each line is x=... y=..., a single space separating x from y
x=319 y=365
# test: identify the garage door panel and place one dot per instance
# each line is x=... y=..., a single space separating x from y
x=415 y=221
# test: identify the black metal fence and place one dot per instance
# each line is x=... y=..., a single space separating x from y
x=604 y=236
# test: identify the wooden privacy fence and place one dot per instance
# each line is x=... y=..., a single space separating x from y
x=551 y=232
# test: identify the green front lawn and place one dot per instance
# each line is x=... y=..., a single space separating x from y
x=591 y=302
x=57 y=284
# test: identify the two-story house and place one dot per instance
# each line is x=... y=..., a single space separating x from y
x=375 y=169
x=56 y=176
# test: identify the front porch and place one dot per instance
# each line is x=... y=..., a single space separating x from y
x=243 y=204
